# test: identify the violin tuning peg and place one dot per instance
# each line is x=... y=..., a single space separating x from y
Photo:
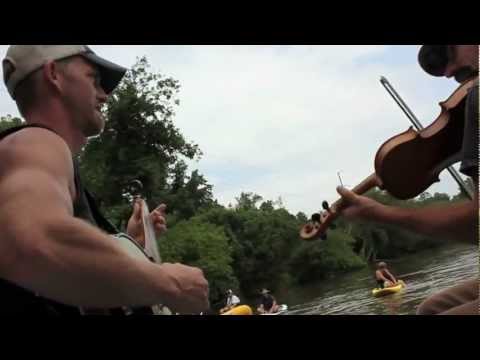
x=325 y=206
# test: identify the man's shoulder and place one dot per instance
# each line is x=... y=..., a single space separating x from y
x=32 y=140
x=36 y=149
x=32 y=133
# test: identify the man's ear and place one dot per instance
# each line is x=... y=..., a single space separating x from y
x=52 y=75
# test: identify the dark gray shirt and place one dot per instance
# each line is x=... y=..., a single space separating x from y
x=469 y=165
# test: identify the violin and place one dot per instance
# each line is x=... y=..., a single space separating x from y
x=408 y=163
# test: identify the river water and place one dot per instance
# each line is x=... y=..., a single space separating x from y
x=424 y=273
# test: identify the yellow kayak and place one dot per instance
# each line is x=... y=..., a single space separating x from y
x=377 y=292
x=239 y=310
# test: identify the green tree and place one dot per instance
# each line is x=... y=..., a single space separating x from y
x=261 y=238
x=248 y=201
x=9 y=121
x=267 y=206
x=205 y=245
x=320 y=259
x=302 y=217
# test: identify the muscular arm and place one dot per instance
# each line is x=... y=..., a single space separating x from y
x=456 y=221
x=45 y=249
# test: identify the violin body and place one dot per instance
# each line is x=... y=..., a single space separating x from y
x=409 y=163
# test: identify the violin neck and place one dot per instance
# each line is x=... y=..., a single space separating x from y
x=149 y=233
x=369 y=183
x=334 y=210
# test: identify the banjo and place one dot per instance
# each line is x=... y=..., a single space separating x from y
x=149 y=253
x=133 y=248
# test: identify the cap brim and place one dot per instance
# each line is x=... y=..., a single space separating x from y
x=433 y=59
x=111 y=74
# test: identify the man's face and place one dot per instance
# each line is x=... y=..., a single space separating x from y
x=462 y=62
x=84 y=96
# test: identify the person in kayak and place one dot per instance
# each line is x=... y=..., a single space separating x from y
x=384 y=277
x=231 y=301
x=268 y=303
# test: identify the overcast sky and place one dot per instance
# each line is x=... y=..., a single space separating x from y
x=281 y=121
